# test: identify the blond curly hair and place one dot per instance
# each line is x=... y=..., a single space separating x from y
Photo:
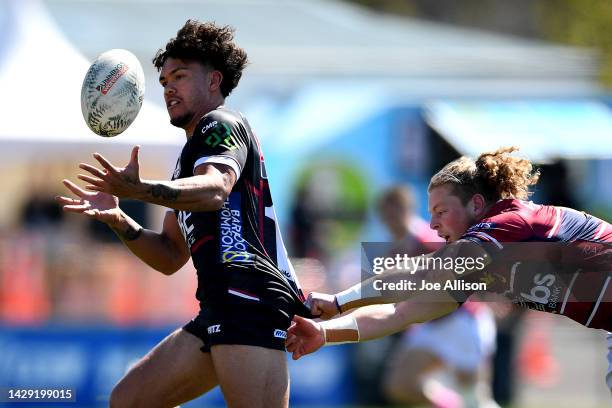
x=496 y=175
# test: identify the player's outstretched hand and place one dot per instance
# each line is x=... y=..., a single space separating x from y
x=121 y=182
x=100 y=206
x=322 y=305
x=304 y=336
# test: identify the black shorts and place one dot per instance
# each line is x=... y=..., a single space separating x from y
x=247 y=324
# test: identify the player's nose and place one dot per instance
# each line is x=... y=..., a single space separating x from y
x=433 y=224
x=169 y=90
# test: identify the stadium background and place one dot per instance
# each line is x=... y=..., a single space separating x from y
x=347 y=100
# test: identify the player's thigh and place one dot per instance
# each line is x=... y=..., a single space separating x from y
x=252 y=376
x=175 y=371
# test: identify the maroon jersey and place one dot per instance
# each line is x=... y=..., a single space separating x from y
x=560 y=259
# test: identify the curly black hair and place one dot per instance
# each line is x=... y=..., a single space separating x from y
x=209 y=44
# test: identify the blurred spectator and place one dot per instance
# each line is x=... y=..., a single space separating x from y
x=305 y=226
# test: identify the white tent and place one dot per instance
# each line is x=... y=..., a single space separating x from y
x=40 y=81
x=43 y=136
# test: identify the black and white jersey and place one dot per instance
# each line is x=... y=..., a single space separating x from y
x=237 y=250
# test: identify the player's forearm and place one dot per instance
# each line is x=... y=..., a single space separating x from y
x=394 y=285
x=373 y=322
x=363 y=324
x=198 y=193
x=381 y=289
x=151 y=247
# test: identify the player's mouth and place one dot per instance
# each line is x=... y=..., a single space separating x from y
x=172 y=103
x=445 y=237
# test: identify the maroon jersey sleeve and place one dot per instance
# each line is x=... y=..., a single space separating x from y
x=503 y=227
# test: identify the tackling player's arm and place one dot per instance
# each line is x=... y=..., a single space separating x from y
x=366 y=323
x=164 y=251
x=380 y=289
x=378 y=321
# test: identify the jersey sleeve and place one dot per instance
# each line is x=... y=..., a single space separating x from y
x=222 y=140
x=493 y=234
x=504 y=227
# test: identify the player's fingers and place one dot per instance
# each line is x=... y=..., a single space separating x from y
x=299 y=321
x=308 y=302
x=67 y=200
x=315 y=309
x=93 y=170
x=91 y=187
x=92 y=180
x=134 y=158
x=92 y=212
x=76 y=208
x=299 y=352
x=75 y=189
x=291 y=343
x=105 y=163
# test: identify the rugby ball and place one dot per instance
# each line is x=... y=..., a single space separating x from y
x=112 y=92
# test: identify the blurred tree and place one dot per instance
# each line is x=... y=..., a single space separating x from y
x=388 y=6
x=583 y=23
x=517 y=17
x=577 y=22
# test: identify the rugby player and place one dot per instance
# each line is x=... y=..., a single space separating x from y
x=223 y=218
x=480 y=207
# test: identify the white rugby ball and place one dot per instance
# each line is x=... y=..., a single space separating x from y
x=112 y=92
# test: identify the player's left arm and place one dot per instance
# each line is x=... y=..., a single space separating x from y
x=382 y=320
x=207 y=190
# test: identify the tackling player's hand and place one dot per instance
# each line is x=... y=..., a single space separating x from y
x=304 y=336
x=100 y=206
x=322 y=306
x=121 y=182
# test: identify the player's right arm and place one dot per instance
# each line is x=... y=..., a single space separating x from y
x=165 y=251
x=379 y=288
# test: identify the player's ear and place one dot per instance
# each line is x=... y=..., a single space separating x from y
x=478 y=205
x=214 y=80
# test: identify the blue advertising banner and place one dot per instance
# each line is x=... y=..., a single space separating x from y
x=80 y=365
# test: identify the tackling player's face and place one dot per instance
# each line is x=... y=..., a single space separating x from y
x=186 y=92
x=449 y=216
